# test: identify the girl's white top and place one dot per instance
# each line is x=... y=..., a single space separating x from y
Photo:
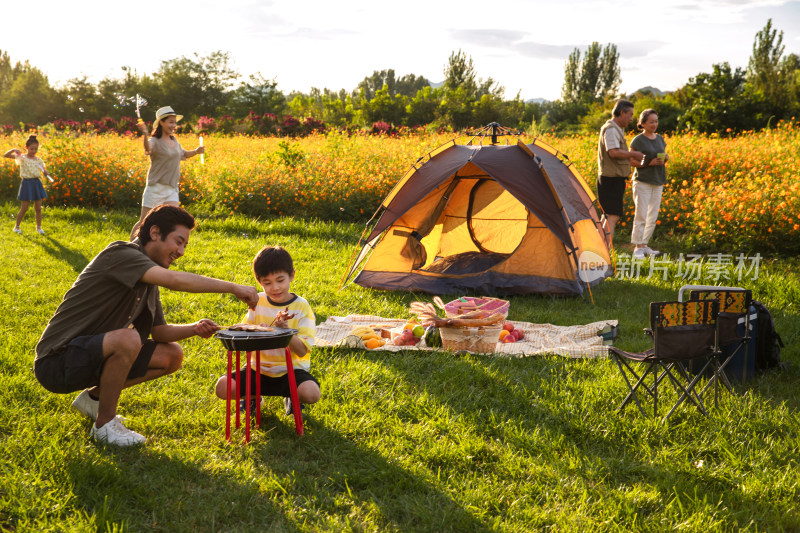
x=29 y=168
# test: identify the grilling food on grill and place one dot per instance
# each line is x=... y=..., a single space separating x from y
x=249 y=327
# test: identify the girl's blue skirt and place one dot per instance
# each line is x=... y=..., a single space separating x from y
x=31 y=189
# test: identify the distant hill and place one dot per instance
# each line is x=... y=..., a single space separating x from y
x=652 y=90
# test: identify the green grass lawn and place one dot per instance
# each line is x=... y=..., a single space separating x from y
x=428 y=441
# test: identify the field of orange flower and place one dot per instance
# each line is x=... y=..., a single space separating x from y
x=728 y=194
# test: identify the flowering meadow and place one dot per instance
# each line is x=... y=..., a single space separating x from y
x=735 y=193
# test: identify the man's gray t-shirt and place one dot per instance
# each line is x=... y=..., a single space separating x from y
x=107 y=295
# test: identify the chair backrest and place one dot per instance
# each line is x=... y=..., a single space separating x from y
x=733 y=305
x=684 y=330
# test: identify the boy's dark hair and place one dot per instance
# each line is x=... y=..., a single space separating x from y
x=620 y=106
x=272 y=259
x=31 y=140
x=166 y=218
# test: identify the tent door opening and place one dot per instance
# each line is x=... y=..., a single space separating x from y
x=479 y=227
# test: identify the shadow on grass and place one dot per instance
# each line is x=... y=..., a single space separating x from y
x=343 y=477
x=500 y=396
x=58 y=251
x=117 y=485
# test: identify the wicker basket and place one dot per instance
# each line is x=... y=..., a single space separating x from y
x=470 y=303
x=481 y=339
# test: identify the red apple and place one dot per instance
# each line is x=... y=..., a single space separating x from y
x=508 y=326
x=519 y=334
x=509 y=338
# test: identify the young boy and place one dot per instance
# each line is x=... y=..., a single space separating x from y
x=274 y=271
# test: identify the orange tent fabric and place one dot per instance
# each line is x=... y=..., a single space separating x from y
x=493 y=219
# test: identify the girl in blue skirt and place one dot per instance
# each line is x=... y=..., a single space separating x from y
x=31 y=188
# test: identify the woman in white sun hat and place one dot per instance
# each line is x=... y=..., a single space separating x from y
x=166 y=154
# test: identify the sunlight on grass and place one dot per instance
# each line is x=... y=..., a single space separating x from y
x=428 y=441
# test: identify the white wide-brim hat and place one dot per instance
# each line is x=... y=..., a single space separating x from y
x=166 y=111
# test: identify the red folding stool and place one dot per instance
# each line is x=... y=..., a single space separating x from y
x=250 y=341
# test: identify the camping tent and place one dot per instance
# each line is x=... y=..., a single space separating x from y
x=493 y=219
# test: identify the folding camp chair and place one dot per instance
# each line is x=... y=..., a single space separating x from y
x=734 y=306
x=681 y=331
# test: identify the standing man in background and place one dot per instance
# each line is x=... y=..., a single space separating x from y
x=614 y=164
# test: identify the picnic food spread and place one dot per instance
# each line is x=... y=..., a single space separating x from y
x=369 y=335
x=472 y=324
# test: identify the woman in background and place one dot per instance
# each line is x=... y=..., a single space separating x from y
x=649 y=177
x=166 y=154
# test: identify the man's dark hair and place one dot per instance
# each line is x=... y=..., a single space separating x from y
x=272 y=259
x=166 y=218
x=621 y=106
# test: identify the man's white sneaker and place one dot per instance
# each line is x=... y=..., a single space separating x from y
x=639 y=253
x=86 y=405
x=115 y=433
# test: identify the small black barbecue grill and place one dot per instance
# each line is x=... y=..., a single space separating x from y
x=248 y=341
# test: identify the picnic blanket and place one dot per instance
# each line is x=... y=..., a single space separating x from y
x=569 y=341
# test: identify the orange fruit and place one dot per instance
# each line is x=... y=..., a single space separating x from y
x=503 y=334
x=373 y=343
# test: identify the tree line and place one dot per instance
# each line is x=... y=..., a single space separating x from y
x=724 y=100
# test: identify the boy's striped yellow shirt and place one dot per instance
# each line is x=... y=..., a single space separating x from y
x=273 y=362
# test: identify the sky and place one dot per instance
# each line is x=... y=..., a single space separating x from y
x=522 y=45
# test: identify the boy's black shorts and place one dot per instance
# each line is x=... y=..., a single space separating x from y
x=78 y=365
x=271 y=386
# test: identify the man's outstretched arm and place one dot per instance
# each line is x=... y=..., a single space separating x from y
x=188 y=282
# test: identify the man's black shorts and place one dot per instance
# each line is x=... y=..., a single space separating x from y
x=610 y=193
x=271 y=386
x=78 y=365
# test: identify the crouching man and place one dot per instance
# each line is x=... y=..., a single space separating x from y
x=109 y=332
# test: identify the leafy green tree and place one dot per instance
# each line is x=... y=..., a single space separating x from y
x=305 y=105
x=8 y=72
x=338 y=108
x=410 y=84
x=423 y=107
x=717 y=101
x=594 y=78
x=560 y=116
x=463 y=90
x=370 y=85
x=384 y=107
x=29 y=99
x=259 y=95
x=407 y=85
x=666 y=107
x=769 y=75
x=196 y=86
x=80 y=100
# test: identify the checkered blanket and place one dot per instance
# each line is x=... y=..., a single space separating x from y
x=569 y=341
